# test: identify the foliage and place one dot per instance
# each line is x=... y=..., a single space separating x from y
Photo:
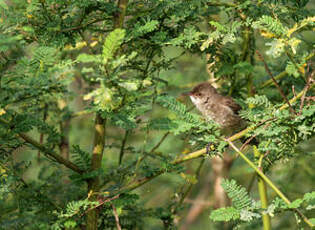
x=243 y=206
x=65 y=63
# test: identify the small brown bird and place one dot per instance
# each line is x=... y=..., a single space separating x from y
x=221 y=109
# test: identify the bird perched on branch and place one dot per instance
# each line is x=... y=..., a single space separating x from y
x=224 y=111
x=214 y=106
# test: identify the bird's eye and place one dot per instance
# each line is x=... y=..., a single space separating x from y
x=198 y=94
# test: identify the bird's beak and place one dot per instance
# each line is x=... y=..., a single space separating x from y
x=187 y=94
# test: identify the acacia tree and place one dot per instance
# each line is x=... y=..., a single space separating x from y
x=67 y=64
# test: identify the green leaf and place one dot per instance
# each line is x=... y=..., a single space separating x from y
x=81 y=158
x=45 y=56
x=104 y=98
x=219 y=26
x=244 y=67
x=309 y=196
x=70 y=224
x=125 y=121
x=140 y=30
x=180 y=109
x=188 y=38
x=247 y=216
x=112 y=43
x=296 y=203
x=87 y=70
x=259 y=100
x=237 y=194
x=162 y=124
x=86 y=58
x=292 y=70
x=3 y=4
x=225 y=214
x=271 y=25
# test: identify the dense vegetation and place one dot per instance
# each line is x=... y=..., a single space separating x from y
x=94 y=132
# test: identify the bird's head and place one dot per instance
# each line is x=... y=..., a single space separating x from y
x=201 y=93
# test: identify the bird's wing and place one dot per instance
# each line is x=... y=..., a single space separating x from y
x=228 y=101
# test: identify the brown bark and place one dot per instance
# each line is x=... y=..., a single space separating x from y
x=64 y=144
x=97 y=155
x=41 y=137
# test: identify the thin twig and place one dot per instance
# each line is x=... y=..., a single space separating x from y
x=116 y=217
x=275 y=82
x=247 y=142
x=293 y=91
x=307 y=87
x=160 y=142
x=101 y=202
x=41 y=137
x=82 y=26
x=81 y=113
x=152 y=150
x=51 y=153
x=283 y=73
x=122 y=148
x=225 y=4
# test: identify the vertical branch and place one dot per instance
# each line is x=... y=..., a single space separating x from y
x=247 y=54
x=93 y=184
x=122 y=148
x=64 y=144
x=309 y=81
x=262 y=192
x=120 y=16
x=99 y=136
x=116 y=217
x=41 y=137
x=249 y=57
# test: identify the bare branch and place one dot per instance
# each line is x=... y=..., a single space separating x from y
x=122 y=148
x=83 y=26
x=50 y=153
x=309 y=82
x=116 y=217
x=275 y=82
x=160 y=142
